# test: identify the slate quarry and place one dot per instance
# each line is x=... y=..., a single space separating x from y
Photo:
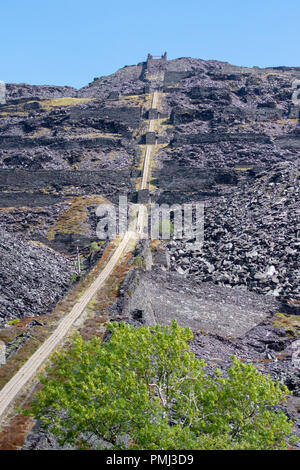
x=227 y=136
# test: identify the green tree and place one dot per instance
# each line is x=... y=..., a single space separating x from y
x=145 y=389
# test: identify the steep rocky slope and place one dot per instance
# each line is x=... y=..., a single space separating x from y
x=63 y=151
x=251 y=237
x=216 y=120
x=227 y=136
x=33 y=278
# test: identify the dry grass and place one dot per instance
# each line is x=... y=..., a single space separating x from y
x=267 y=122
x=40 y=133
x=156 y=76
x=143 y=154
x=142 y=101
x=94 y=135
x=285 y=121
x=156 y=245
x=158 y=123
x=75 y=218
x=68 y=101
x=13 y=113
x=14 y=434
x=141 y=130
x=38 y=335
x=156 y=149
x=41 y=245
x=275 y=74
x=97 y=308
x=291 y=323
x=241 y=168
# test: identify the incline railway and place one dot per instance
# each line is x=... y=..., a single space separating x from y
x=17 y=383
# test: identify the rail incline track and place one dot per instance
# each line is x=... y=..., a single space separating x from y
x=31 y=367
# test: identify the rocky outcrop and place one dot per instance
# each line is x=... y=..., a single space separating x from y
x=67 y=132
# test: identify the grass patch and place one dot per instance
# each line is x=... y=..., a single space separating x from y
x=290 y=323
x=38 y=336
x=157 y=128
x=267 y=122
x=141 y=130
x=13 y=113
x=138 y=261
x=94 y=135
x=143 y=100
x=155 y=76
x=75 y=218
x=13 y=435
x=16 y=321
x=68 y=101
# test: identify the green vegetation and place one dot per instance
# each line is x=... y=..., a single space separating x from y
x=95 y=247
x=138 y=261
x=144 y=389
x=16 y=321
x=74 y=277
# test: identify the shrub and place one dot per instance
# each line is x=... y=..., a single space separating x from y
x=95 y=247
x=138 y=261
x=16 y=321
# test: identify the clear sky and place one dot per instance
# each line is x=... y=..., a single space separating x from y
x=69 y=42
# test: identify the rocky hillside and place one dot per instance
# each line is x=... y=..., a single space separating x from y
x=223 y=133
x=220 y=129
x=33 y=277
x=252 y=237
x=226 y=136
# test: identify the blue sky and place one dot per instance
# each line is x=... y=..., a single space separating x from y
x=69 y=42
